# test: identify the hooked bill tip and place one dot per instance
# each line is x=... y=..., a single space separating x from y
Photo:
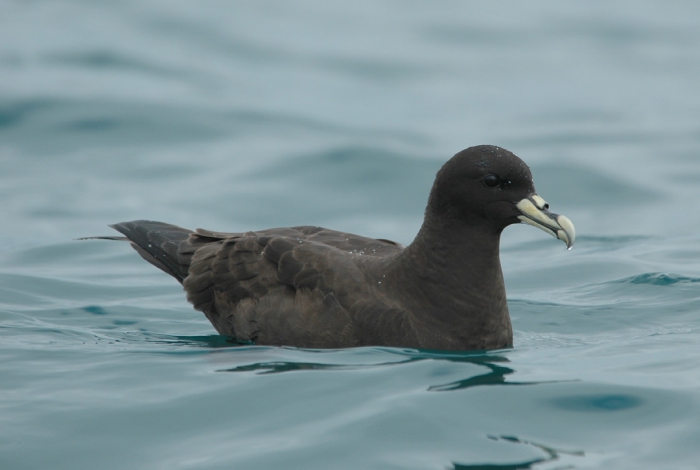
x=568 y=231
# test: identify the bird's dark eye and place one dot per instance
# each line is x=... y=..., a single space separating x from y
x=492 y=181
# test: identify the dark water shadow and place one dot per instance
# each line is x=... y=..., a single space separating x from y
x=495 y=366
x=496 y=374
x=495 y=369
x=205 y=341
x=598 y=402
x=411 y=356
x=552 y=455
x=262 y=368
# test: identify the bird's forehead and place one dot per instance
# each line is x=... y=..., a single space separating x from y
x=476 y=162
x=506 y=164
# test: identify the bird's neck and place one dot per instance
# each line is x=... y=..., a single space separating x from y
x=457 y=269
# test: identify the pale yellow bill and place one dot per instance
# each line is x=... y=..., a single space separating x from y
x=535 y=212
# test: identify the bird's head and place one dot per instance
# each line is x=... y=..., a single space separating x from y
x=491 y=186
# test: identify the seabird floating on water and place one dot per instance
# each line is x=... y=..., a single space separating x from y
x=317 y=288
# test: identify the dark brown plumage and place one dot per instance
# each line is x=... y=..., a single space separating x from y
x=317 y=288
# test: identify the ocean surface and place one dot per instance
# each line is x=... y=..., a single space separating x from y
x=243 y=115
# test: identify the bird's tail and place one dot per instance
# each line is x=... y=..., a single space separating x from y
x=159 y=244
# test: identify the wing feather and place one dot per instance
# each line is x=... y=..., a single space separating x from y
x=269 y=286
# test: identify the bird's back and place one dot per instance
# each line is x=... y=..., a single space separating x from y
x=307 y=286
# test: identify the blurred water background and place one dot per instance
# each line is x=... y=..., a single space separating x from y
x=240 y=115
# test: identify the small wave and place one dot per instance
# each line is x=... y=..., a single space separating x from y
x=621 y=291
x=660 y=279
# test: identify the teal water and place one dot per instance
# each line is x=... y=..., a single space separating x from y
x=244 y=115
